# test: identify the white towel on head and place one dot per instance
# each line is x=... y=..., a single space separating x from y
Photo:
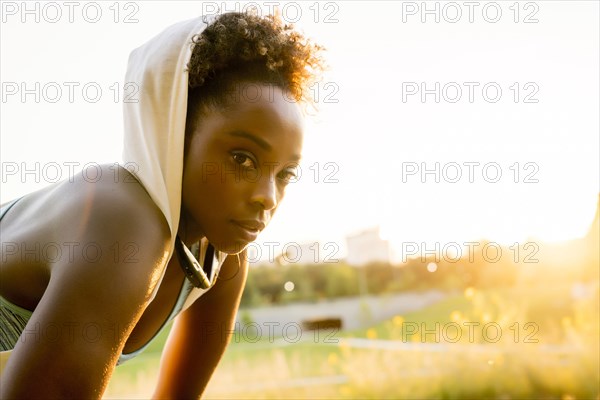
x=155 y=124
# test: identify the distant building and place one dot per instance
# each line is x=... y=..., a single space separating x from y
x=367 y=246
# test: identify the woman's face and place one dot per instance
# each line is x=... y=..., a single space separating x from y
x=238 y=164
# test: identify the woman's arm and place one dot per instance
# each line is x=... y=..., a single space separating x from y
x=201 y=334
x=93 y=299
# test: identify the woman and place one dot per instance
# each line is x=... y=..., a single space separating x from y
x=211 y=142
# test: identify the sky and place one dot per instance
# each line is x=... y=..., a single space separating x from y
x=438 y=122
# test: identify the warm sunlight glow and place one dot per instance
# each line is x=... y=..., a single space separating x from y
x=424 y=171
x=289 y=286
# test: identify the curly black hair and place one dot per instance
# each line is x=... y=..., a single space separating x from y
x=242 y=47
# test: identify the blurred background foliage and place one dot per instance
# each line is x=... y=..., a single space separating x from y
x=547 y=312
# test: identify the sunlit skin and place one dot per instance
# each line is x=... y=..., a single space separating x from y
x=238 y=165
x=261 y=140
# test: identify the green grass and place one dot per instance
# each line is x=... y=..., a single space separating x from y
x=508 y=370
x=436 y=313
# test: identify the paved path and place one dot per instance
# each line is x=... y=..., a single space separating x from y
x=355 y=312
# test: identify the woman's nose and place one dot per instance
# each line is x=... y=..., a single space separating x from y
x=265 y=192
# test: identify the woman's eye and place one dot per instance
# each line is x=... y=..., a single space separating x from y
x=288 y=175
x=243 y=160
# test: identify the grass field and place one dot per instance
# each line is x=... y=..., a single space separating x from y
x=481 y=347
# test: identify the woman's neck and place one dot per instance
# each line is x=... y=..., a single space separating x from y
x=188 y=231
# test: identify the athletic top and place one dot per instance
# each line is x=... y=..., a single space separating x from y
x=13 y=318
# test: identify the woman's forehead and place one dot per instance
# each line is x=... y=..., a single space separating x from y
x=272 y=122
x=263 y=106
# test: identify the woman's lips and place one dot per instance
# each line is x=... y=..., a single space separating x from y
x=248 y=230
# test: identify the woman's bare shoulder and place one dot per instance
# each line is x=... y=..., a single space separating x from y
x=114 y=239
x=104 y=201
x=110 y=223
